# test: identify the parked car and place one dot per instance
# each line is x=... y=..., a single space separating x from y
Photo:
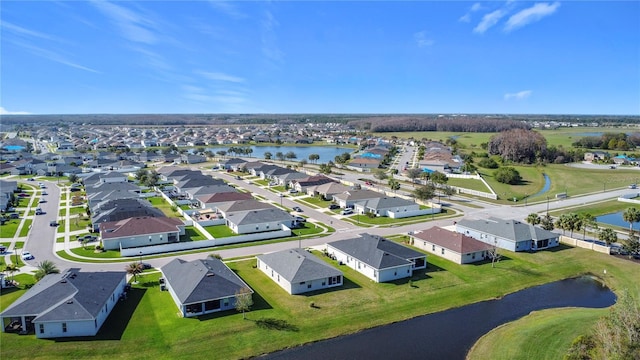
x=632 y=186
x=238 y=177
x=42 y=201
x=53 y=223
x=334 y=206
x=39 y=211
x=30 y=179
x=297 y=208
x=14 y=216
x=300 y=219
x=27 y=255
x=3 y=249
x=45 y=193
x=146 y=266
x=292 y=191
x=347 y=212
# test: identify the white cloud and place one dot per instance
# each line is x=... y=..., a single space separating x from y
x=4 y=111
x=218 y=76
x=53 y=56
x=227 y=8
x=521 y=95
x=422 y=39
x=132 y=25
x=467 y=17
x=29 y=33
x=489 y=20
x=269 y=39
x=530 y=15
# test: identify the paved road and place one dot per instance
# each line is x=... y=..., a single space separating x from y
x=42 y=237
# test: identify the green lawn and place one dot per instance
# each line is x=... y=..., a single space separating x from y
x=163 y=205
x=25 y=228
x=317 y=201
x=77 y=210
x=89 y=251
x=191 y=234
x=383 y=220
x=78 y=223
x=63 y=196
x=147 y=326
x=472 y=184
x=546 y=334
x=62 y=212
x=307 y=229
x=9 y=228
x=220 y=231
x=261 y=182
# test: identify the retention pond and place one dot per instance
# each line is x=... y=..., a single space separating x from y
x=450 y=334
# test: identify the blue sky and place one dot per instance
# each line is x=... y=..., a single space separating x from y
x=569 y=57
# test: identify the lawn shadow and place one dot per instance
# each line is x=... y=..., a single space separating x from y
x=275 y=324
x=417 y=276
x=118 y=319
x=560 y=247
x=259 y=303
x=488 y=261
x=9 y=290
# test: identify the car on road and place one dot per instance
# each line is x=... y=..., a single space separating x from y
x=53 y=223
x=368 y=183
x=30 y=179
x=347 y=212
x=45 y=193
x=633 y=186
x=146 y=266
x=297 y=208
x=42 y=201
x=334 y=206
x=27 y=255
x=238 y=177
x=39 y=211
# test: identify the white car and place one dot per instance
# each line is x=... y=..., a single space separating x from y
x=347 y=211
x=27 y=255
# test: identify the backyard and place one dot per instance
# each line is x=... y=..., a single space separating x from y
x=146 y=324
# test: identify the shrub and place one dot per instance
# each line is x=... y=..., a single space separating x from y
x=488 y=163
x=507 y=175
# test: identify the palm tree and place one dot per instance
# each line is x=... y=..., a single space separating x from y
x=533 y=219
x=10 y=269
x=268 y=155
x=134 y=269
x=314 y=157
x=631 y=215
x=590 y=221
x=45 y=268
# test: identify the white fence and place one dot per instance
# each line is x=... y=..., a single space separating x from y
x=585 y=244
x=405 y=214
x=180 y=246
x=629 y=198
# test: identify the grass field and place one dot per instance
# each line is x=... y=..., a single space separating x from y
x=25 y=228
x=147 y=326
x=546 y=334
x=9 y=228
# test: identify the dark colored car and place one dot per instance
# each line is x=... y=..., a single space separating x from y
x=334 y=206
x=53 y=223
x=296 y=208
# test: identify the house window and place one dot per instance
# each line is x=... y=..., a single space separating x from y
x=95 y=323
x=324 y=283
x=41 y=328
x=433 y=248
x=257 y=228
x=473 y=256
x=442 y=251
x=302 y=283
x=64 y=327
x=278 y=277
x=395 y=273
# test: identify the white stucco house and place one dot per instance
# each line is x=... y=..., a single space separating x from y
x=140 y=231
x=451 y=245
x=71 y=303
x=510 y=235
x=377 y=258
x=298 y=271
x=201 y=286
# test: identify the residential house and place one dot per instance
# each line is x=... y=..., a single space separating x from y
x=364 y=163
x=71 y=303
x=393 y=207
x=234 y=164
x=596 y=155
x=202 y=286
x=7 y=188
x=193 y=158
x=511 y=235
x=310 y=181
x=120 y=209
x=298 y=271
x=140 y=231
x=451 y=245
x=228 y=208
x=377 y=258
x=351 y=197
x=259 y=220
x=211 y=201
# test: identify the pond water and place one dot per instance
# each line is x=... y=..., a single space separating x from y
x=326 y=153
x=616 y=219
x=450 y=334
x=14 y=147
x=545 y=188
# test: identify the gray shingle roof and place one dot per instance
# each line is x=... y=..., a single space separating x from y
x=259 y=216
x=243 y=205
x=352 y=195
x=201 y=280
x=377 y=251
x=297 y=265
x=508 y=229
x=387 y=202
x=70 y=295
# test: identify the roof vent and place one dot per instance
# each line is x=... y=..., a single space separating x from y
x=70 y=302
x=210 y=274
x=63 y=281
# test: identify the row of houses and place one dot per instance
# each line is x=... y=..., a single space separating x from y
x=76 y=303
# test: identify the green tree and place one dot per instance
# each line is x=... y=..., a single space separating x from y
x=394 y=184
x=73 y=178
x=588 y=220
x=379 y=174
x=507 y=175
x=413 y=174
x=608 y=236
x=547 y=223
x=631 y=215
x=533 y=219
x=425 y=192
x=314 y=158
x=244 y=300
x=439 y=178
x=45 y=268
x=617 y=336
x=280 y=156
x=268 y=155
x=290 y=155
x=134 y=269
